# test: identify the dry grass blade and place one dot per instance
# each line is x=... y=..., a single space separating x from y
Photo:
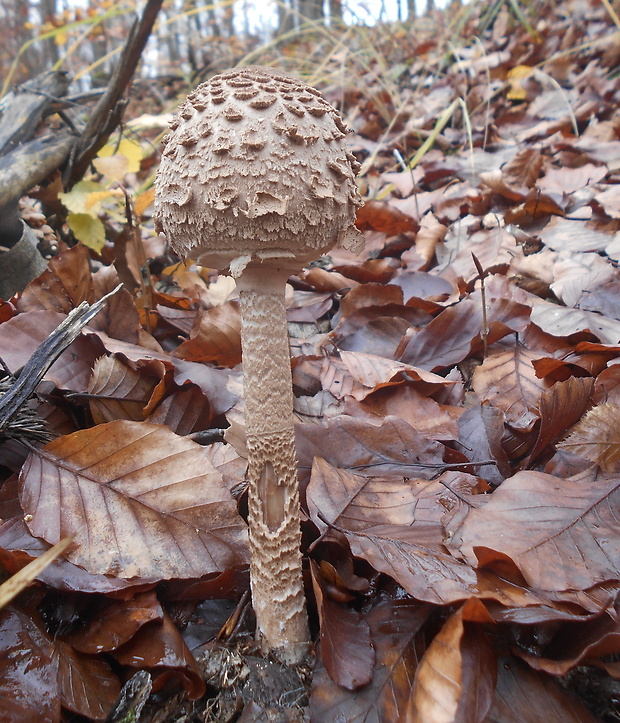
x=20 y=580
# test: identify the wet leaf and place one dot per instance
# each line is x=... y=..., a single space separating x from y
x=455 y=681
x=159 y=646
x=395 y=626
x=346 y=648
x=523 y=695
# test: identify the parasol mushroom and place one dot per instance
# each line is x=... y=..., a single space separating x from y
x=257 y=181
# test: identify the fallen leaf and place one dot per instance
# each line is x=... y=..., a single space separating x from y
x=142 y=501
x=597 y=437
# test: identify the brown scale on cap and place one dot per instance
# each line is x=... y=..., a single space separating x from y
x=255 y=166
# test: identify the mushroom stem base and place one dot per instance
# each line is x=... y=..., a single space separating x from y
x=273 y=494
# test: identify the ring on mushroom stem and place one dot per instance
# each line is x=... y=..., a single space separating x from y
x=256 y=180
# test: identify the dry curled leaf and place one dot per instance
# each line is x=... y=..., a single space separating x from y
x=597 y=437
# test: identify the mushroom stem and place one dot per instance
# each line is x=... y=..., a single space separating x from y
x=273 y=494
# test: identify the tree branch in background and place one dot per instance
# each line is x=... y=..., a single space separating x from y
x=108 y=111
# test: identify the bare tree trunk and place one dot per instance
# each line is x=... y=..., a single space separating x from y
x=335 y=10
x=47 y=8
x=229 y=21
x=13 y=19
x=215 y=27
x=411 y=10
x=312 y=10
x=286 y=17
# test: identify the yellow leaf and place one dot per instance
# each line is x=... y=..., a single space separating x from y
x=76 y=200
x=114 y=161
x=61 y=37
x=143 y=201
x=94 y=200
x=113 y=167
x=520 y=71
x=87 y=229
x=515 y=77
x=132 y=152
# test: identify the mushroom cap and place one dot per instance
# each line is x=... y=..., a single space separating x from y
x=256 y=168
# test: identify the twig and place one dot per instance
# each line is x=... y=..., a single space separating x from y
x=485 y=329
x=107 y=113
x=44 y=356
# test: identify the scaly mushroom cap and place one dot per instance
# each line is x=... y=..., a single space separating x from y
x=255 y=167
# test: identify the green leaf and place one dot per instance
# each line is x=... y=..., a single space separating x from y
x=87 y=229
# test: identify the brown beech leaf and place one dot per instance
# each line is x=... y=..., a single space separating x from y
x=118 y=392
x=430 y=234
x=182 y=320
x=454 y=333
x=87 y=684
x=28 y=671
x=110 y=623
x=392 y=447
x=395 y=626
x=560 y=407
x=369 y=295
x=508 y=381
x=563 y=321
x=160 y=647
x=21 y=335
x=375 y=372
x=143 y=501
x=357 y=502
x=307 y=307
x=455 y=680
x=481 y=428
x=575 y=644
x=211 y=381
x=346 y=647
x=502 y=185
x=68 y=281
x=382 y=216
x=524 y=695
x=18 y=547
x=38 y=673
x=186 y=410
x=597 y=437
x=415 y=557
x=560 y=533
x=62 y=286
x=20 y=580
x=215 y=338
x=437 y=421
x=568 y=180
x=524 y=168
x=420 y=561
x=563 y=234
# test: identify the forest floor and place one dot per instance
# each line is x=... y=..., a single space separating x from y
x=457 y=393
